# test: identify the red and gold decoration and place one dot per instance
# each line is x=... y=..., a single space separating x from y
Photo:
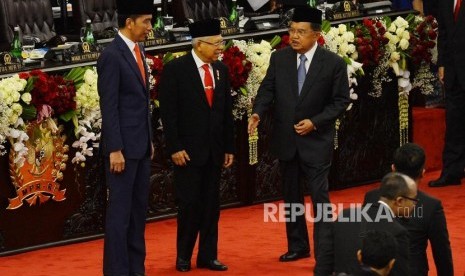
x=37 y=180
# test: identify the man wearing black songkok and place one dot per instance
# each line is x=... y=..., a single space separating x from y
x=307 y=88
x=196 y=111
x=126 y=139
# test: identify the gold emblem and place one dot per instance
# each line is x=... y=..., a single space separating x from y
x=223 y=23
x=85 y=47
x=36 y=181
x=347 y=7
x=7 y=59
x=150 y=35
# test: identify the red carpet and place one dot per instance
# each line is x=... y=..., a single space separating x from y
x=247 y=244
x=429 y=126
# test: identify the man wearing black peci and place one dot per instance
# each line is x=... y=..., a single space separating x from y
x=196 y=111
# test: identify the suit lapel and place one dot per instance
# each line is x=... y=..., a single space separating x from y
x=128 y=56
x=219 y=81
x=312 y=74
x=146 y=81
x=293 y=74
x=193 y=74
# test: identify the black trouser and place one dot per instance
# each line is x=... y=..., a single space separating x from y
x=453 y=156
x=197 y=194
x=314 y=176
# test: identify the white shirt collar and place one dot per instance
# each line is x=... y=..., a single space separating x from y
x=309 y=55
x=198 y=61
x=131 y=44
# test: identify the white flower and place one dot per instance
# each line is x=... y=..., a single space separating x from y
x=26 y=97
x=406 y=35
x=395 y=56
x=392 y=28
x=403 y=44
x=400 y=31
x=342 y=28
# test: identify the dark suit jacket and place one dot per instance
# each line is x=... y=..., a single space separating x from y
x=124 y=102
x=324 y=96
x=342 y=240
x=451 y=43
x=427 y=223
x=188 y=121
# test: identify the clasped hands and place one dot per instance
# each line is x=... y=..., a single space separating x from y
x=303 y=127
x=181 y=158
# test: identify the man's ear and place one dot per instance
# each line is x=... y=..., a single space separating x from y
x=359 y=256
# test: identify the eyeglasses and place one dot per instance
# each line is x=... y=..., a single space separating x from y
x=415 y=200
x=216 y=44
x=299 y=32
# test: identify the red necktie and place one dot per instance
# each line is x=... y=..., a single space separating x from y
x=208 y=84
x=457 y=9
x=140 y=64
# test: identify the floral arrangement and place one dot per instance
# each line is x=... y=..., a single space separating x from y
x=258 y=54
x=40 y=96
x=422 y=47
x=239 y=67
x=340 y=40
x=88 y=118
x=12 y=100
x=155 y=68
x=370 y=41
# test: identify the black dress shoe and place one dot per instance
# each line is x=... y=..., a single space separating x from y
x=137 y=274
x=293 y=256
x=443 y=181
x=183 y=265
x=212 y=265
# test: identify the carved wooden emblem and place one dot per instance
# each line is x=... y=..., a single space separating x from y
x=37 y=180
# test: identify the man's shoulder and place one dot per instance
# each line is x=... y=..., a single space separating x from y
x=427 y=198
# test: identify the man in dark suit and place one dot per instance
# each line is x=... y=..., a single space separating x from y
x=126 y=139
x=377 y=254
x=196 y=111
x=342 y=239
x=307 y=86
x=451 y=58
x=428 y=221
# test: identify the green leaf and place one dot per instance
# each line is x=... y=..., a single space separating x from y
x=67 y=115
x=228 y=45
x=410 y=18
x=76 y=124
x=275 y=41
x=326 y=26
x=29 y=112
x=347 y=60
x=29 y=85
x=387 y=20
x=167 y=57
x=243 y=91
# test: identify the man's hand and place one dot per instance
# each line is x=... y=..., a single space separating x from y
x=304 y=127
x=180 y=158
x=228 y=160
x=441 y=74
x=117 y=162
x=253 y=123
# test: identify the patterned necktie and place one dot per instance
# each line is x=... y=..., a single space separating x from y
x=208 y=84
x=301 y=72
x=140 y=64
x=457 y=9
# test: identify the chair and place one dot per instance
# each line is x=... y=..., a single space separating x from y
x=102 y=13
x=184 y=10
x=34 y=17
